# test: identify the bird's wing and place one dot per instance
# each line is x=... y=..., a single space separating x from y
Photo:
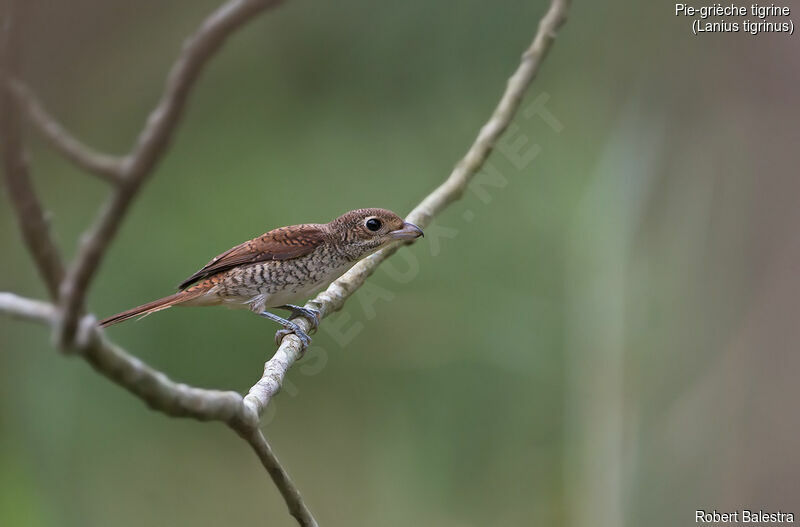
x=279 y=244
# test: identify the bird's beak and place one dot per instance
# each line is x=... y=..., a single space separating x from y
x=408 y=232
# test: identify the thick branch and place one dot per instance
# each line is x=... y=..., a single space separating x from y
x=102 y=165
x=152 y=143
x=32 y=220
x=161 y=393
x=153 y=387
x=452 y=189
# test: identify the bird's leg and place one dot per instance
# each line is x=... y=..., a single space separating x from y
x=311 y=314
x=289 y=327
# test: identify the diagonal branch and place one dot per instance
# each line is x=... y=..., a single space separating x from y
x=197 y=50
x=334 y=297
x=32 y=220
x=102 y=165
x=297 y=507
x=150 y=147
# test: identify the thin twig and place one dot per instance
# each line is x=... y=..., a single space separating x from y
x=297 y=507
x=333 y=298
x=32 y=220
x=102 y=165
x=151 y=145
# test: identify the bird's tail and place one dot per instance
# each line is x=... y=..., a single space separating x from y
x=152 y=307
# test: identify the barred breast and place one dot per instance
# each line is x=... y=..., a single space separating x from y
x=275 y=283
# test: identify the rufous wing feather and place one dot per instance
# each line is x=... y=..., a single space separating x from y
x=285 y=243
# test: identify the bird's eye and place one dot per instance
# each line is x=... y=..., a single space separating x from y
x=373 y=224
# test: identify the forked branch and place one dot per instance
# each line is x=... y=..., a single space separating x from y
x=102 y=165
x=80 y=333
x=148 y=150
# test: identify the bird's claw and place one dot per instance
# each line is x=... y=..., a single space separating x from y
x=302 y=335
x=297 y=311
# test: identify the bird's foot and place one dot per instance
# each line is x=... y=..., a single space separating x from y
x=289 y=327
x=311 y=314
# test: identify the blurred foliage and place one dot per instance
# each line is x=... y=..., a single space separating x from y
x=591 y=346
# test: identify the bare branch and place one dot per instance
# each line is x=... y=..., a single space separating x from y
x=152 y=143
x=153 y=387
x=102 y=165
x=161 y=393
x=31 y=217
x=453 y=188
x=333 y=298
x=197 y=49
x=26 y=309
x=297 y=507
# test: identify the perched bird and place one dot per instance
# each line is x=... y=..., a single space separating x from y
x=283 y=267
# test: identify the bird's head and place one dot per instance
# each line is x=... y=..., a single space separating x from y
x=364 y=231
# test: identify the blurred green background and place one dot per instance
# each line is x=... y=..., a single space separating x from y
x=607 y=338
